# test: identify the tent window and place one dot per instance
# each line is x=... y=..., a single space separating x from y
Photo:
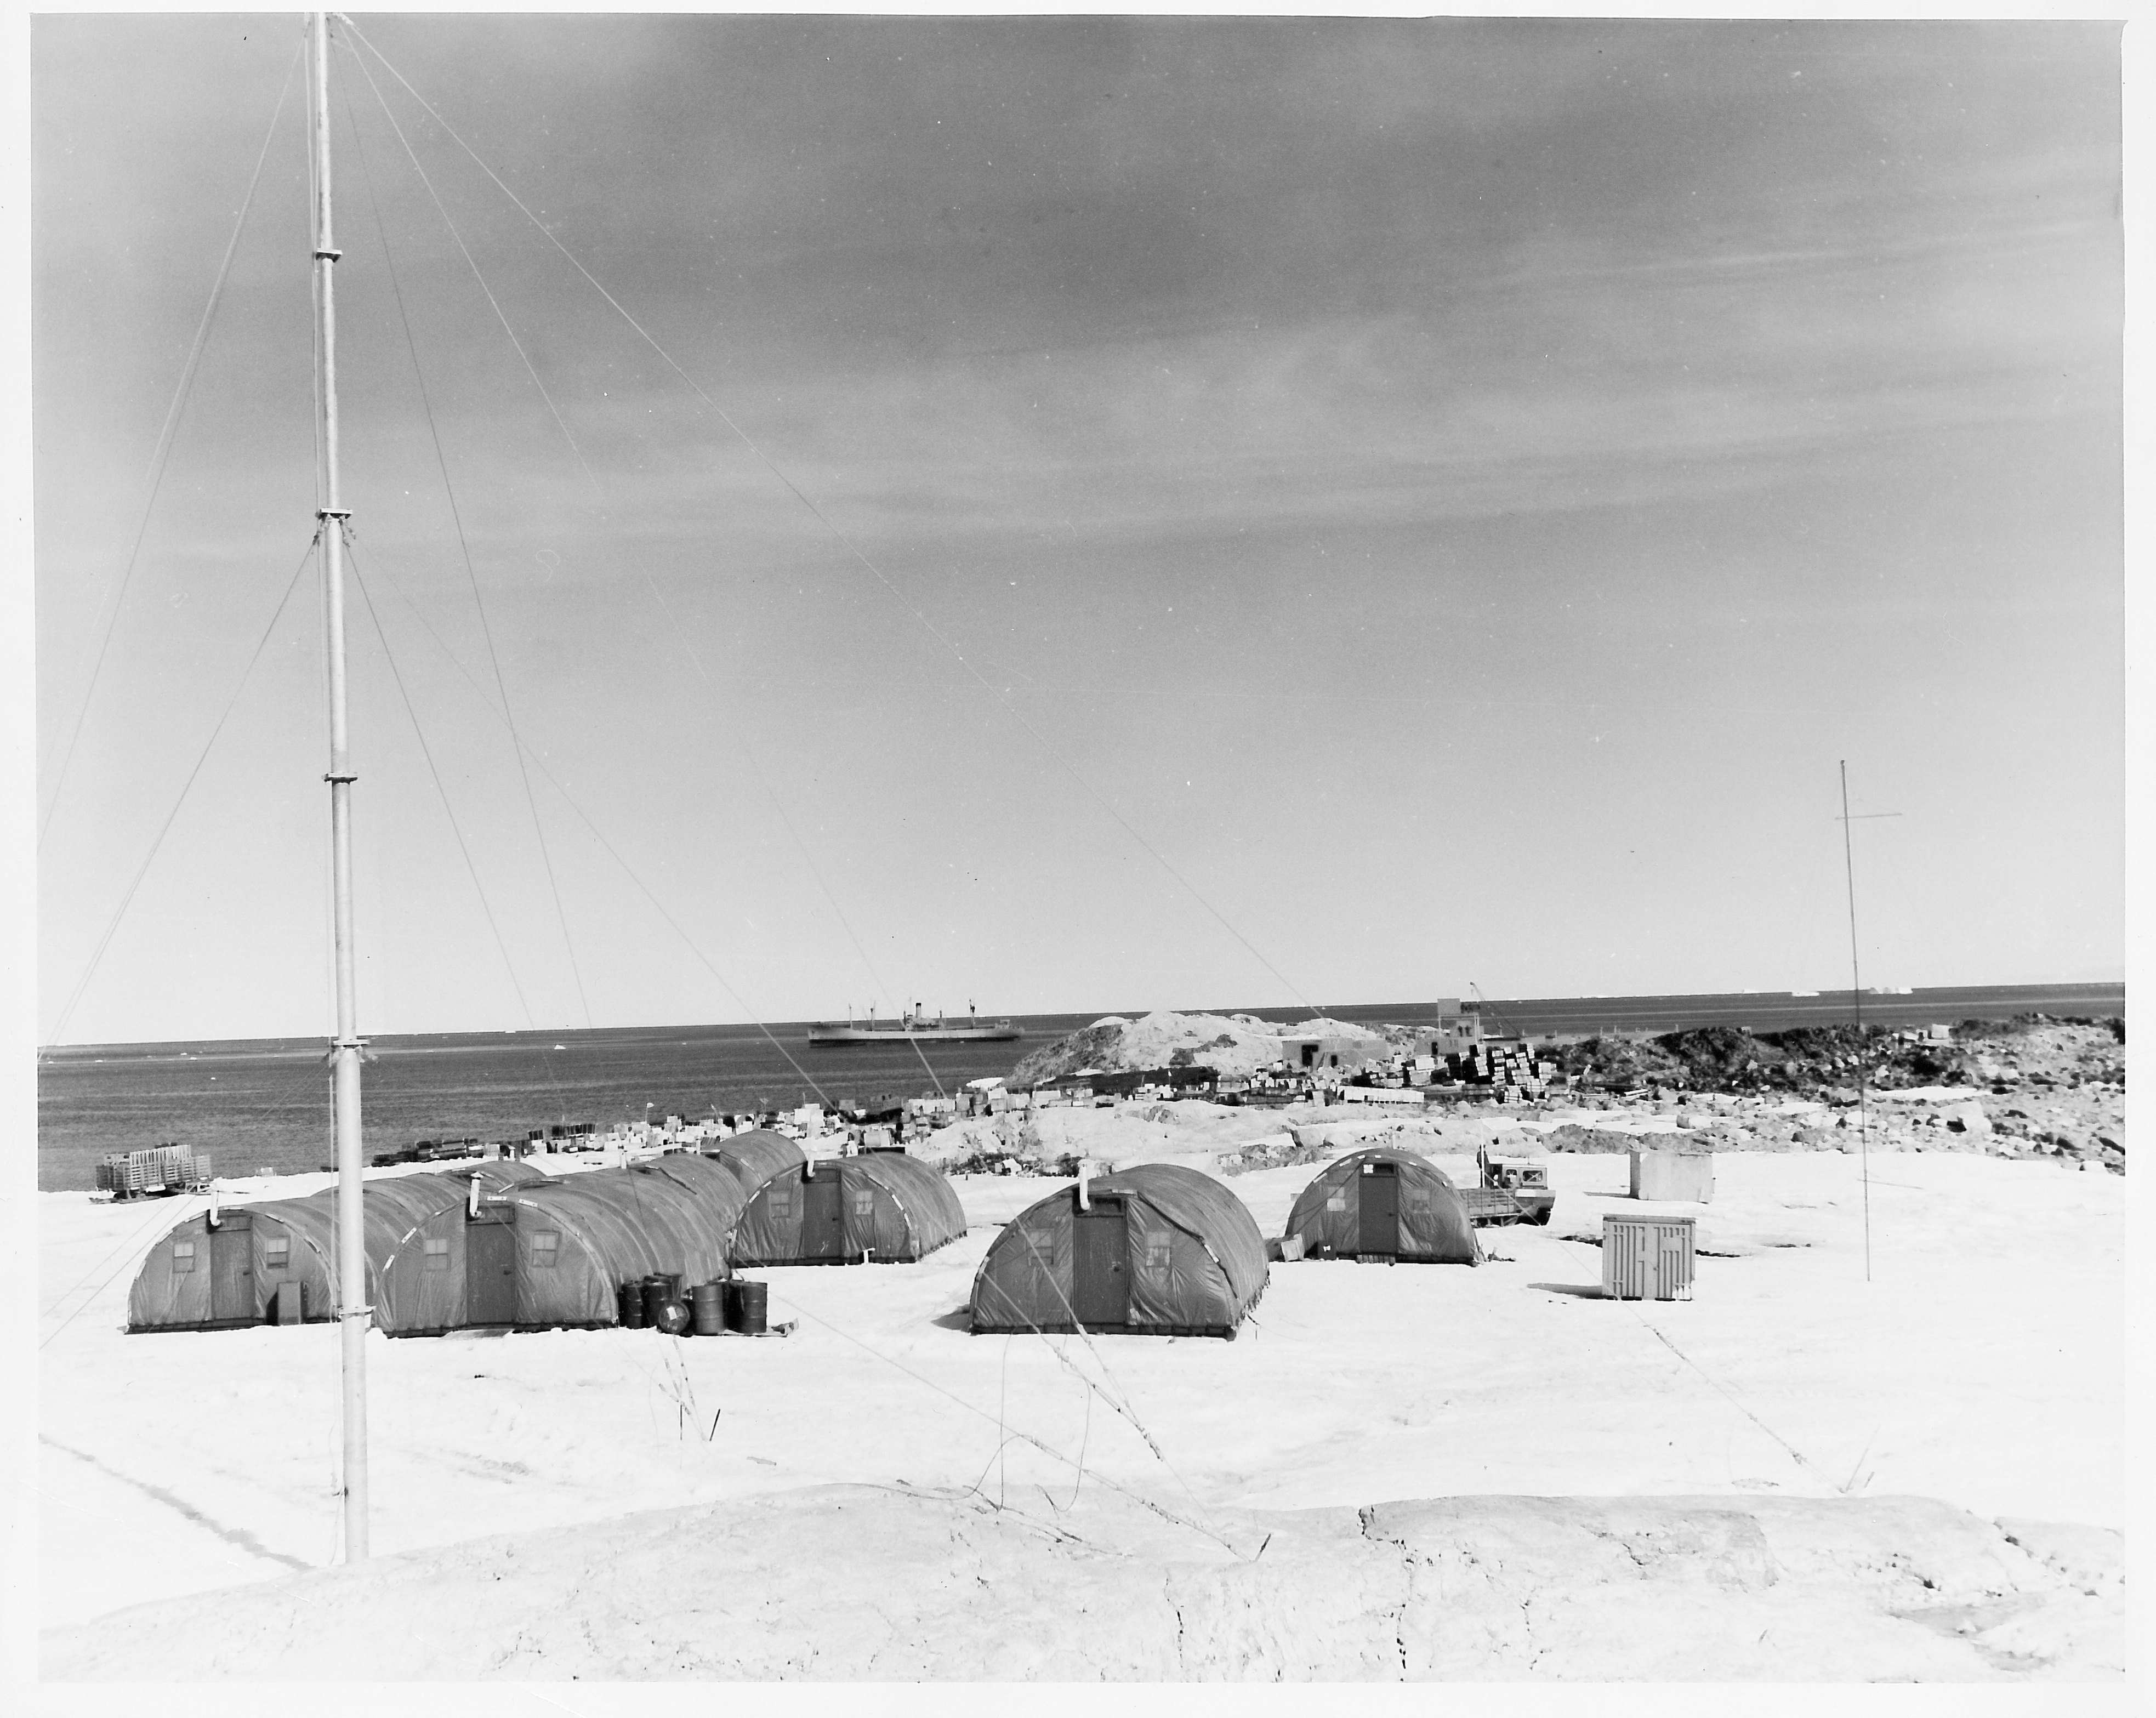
x=544 y=1245
x=864 y=1204
x=277 y=1254
x=782 y=1203
x=1336 y=1201
x=1156 y=1254
x=183 y=1255
x=438 y=1252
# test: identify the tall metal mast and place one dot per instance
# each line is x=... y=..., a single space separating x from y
x=1856 y=1006
x=352 y=1310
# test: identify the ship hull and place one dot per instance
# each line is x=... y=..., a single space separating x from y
x=837 y=1031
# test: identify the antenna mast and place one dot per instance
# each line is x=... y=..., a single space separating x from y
x=352 y=1310
x=1857 y=1004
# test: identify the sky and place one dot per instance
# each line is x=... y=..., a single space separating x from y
x=1131 y=512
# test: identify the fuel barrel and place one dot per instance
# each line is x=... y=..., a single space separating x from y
x=747 y=1306
x=708 y=1314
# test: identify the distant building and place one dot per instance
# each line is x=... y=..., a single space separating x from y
x=1318 y=1052
x=1461 y=1030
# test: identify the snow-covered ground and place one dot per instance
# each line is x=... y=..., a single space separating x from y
x=1982 y=1365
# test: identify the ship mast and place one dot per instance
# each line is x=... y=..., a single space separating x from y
x=352 y=1310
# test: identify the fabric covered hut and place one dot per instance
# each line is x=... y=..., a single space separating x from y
x=554 y=1251
x=498 y=1172
x=1384 y=1203
x=436 y=1269
x=1154 y=1250
x=756 y=1157
x=204 y=1276
x=496 y=1244
x=878 y=1207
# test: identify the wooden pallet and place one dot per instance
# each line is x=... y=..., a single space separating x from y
x=1490 y=1205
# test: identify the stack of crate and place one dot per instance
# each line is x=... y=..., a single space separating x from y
x=182 y=1169
x=1511 y=1068
x=161 y=1169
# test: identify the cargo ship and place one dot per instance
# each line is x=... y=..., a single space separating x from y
x=913 y=1027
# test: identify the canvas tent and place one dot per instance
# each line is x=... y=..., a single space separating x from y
x=539 y=1253
x=498 y=1243
x=206 y=1276
x=881 y=1206
x=756 y=1157
x=1384 y=1203
x=1156 y=1250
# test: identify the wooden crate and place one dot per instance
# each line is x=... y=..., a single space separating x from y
x=1646 y=1257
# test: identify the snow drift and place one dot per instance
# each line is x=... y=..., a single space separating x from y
x=856 y=1583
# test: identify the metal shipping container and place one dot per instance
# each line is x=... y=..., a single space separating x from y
x=1646 y=1257
x=1673 y=1174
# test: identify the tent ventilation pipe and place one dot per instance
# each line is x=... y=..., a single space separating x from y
x=1085 y=1203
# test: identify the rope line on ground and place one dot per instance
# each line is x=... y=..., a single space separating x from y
x=487 y=630
x=1045 y=1449
x=1125 y=1406
x=1055 y=754
x=161 y=453
x=674 y=630
x=126 y=1247
x=628 y=870
x=164 y=828
x=1728 y=1395
x=455 y=828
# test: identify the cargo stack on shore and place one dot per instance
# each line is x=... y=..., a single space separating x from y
x=1508 y=1070
x=161 y=1169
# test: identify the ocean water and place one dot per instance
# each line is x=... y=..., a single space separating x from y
x=265 y=1103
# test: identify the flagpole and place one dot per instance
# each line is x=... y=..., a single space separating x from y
x=353 y=1312
x=1857 y=1003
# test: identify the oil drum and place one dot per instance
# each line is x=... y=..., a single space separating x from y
x=673 y=1319
x=657 y=1292
x=747 y=1304
x=708 y=1309
x=632 y=1305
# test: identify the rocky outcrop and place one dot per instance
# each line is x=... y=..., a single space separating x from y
x=1228 y=1043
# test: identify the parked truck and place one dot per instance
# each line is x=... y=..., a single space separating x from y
x=1508 y=1192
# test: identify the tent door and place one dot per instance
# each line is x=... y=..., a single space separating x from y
x=232 y=1274
x=822 y=1216
x=490 y=1274
x=1379 y=1222
x=1101 y=1267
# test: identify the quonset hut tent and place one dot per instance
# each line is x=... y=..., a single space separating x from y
x=756 y=1157
x=1384 y=1203
x=1155 y=1250
x=204 y=1276
x=536 y=1254
x=498 y=1244
x=879 y=1205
